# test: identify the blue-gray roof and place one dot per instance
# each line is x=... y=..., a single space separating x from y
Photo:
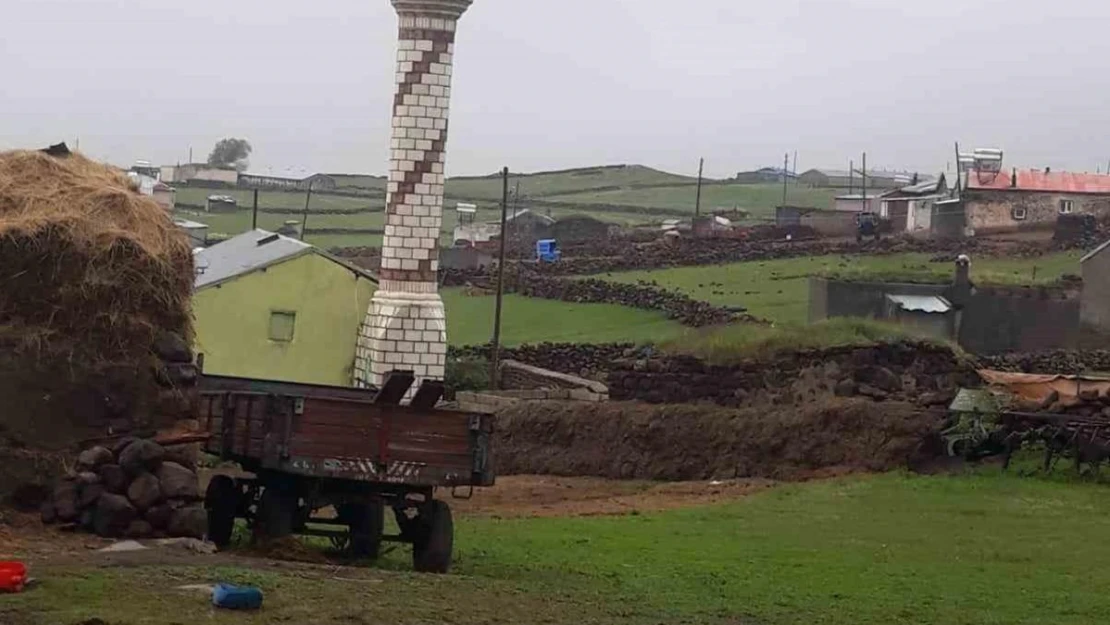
x=247 y=252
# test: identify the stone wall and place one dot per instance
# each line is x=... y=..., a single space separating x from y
x=993 y=211
x=519 y=376
x=1020 y=319
x=924 y=373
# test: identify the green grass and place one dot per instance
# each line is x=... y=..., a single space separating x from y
x=759 y=199
x=198 y=196
x=778 y=290
x=547 y=184
x=736 y=342
x=892 y=549
x=530 y=320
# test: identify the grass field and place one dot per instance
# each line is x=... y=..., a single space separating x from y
x=778 y=290
x=529 y=320
x=759 y=199
x=552 y=183
x=971 y=549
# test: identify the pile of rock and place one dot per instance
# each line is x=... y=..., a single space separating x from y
x=591 y=361
x=646 y=296
x=919 y=372
x=1062 y=361
x=136 y=489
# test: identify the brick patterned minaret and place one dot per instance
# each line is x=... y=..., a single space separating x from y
x=405 y=328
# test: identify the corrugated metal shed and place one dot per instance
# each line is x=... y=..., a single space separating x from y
x=1038 y=180
x=921 y=303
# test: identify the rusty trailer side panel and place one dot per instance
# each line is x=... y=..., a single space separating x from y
x=342 y=433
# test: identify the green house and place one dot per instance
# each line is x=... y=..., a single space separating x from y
x=271 y=307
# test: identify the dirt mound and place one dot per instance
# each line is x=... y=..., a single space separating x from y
x=628 y=440
x=91 y=268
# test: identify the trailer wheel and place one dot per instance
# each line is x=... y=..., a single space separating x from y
x=433 y=538
x=366 y=522
x=221 y=500
x=276 y=509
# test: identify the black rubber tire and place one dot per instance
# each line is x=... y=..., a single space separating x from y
x=221 y=500
x=434 y=538
x=276 y=509
x=366 y=522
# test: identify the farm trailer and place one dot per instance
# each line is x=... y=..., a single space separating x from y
x=355 y=451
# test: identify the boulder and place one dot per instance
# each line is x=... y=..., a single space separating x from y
x=881 y=378
x=114 y=514
x=94 y=457
x=845 y=388
x=88 y=519
x=159 y=516
x=178 y=482
x=190 y=521
x=87 y=477
x=144 y=491
x=65 y=502
x=139 y=529
x=89 y=494
x=184 y=455
x=47 y=512
x=141 y=455
x=113 y=478
x=172 y=348
x=121 y=444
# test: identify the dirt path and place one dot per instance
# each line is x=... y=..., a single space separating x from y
x=548 y=496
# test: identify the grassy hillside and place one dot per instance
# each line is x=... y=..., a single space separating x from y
x=778 y=290
x=528 y=320
x=759 y=199
x=545 y=184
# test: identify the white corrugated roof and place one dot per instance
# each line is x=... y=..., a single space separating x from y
x=921 y=303
x=242 y=254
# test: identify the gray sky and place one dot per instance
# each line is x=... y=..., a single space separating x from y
x=564 y=83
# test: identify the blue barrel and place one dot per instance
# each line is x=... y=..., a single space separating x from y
x=237 y=597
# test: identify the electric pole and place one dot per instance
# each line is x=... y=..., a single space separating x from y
x=495 y=355
x=697 y=201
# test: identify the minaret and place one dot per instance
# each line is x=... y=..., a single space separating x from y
x=405 y=328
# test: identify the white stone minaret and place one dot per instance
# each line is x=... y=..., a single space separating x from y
x=405 y=328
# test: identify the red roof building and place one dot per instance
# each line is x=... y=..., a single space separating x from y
x=1029 y=199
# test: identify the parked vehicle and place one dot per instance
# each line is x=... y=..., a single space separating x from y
x=867 y=225
x=355 y=451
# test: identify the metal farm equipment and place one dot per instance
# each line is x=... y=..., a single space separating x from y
x=327 y=461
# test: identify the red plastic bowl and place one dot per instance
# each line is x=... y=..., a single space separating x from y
x=12 y=576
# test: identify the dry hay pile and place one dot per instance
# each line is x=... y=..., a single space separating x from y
x=91 y=269
x=679 y=442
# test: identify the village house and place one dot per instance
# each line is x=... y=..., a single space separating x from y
x=198 y=172
x=845 y=179
x=275 y=308
x=910 y=209
x=1006 y=201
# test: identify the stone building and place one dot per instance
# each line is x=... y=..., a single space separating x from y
x=406 y=327
x=1030 y=199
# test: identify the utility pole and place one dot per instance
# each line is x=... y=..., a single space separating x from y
x=697 y=201
x=254 y=212
x=785 y=171
x=851 y=176
x=794 y=171
x=190 y=155
x=863 y=176
x=495 y=355
x=304 y=218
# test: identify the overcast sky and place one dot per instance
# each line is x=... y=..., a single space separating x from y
x=542 y=84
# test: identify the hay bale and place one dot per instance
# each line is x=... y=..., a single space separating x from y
x=93 y=272
x=92 y=269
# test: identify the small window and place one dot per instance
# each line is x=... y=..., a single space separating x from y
x=281 y=325
x=1066 y=207
x=1018 y=213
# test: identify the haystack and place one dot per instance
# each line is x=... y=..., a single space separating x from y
x=90 y=270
